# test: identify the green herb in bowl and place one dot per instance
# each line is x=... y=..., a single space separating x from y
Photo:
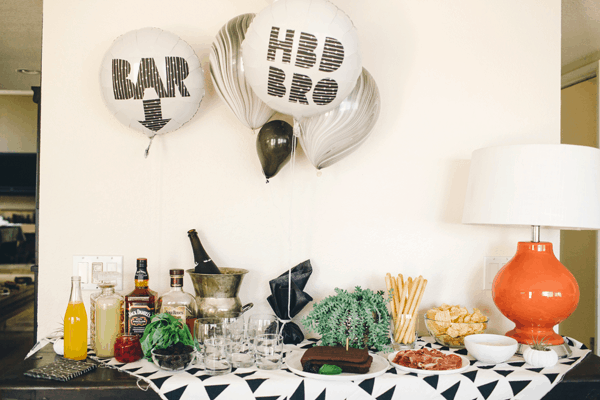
x=164 y=331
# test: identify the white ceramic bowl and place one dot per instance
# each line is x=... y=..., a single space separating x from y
x=491 y=349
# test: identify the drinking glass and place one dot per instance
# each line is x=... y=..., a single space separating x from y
x=262 y=324
x=216 y=361
x=268 y=351
x=240 y=350
x=204 y=329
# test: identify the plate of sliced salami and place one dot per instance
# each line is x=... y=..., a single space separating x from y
x=429 y=361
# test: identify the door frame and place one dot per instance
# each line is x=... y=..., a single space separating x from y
x=572 y=78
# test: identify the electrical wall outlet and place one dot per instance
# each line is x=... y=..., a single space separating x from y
x=85 y=266
x=491 y=266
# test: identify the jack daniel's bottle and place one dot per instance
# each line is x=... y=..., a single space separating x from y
x=140 y=303
x=204 y=264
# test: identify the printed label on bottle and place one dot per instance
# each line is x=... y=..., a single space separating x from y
x=138 y=316
x=177 y=312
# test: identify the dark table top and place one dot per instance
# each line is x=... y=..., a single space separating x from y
x=582 y=382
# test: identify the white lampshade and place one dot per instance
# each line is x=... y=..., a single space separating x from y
x=550 y=185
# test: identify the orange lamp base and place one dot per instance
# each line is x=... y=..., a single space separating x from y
x=536 y=292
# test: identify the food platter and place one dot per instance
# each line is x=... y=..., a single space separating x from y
x=378 y=367
x=465 y=365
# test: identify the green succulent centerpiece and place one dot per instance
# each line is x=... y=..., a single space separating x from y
x=361 y=317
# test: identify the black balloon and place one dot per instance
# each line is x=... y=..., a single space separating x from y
x=274 y=146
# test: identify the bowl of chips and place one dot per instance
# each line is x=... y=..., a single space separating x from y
x=449 y=325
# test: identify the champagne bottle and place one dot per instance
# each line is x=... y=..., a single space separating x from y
x=204 y=264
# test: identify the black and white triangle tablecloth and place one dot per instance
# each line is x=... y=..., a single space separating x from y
x=513 y=379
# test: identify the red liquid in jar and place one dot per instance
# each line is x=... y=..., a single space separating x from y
x=128 y=349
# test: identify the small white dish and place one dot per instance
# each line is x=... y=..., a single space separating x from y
x=491 y=349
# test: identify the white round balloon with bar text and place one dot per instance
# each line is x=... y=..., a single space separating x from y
x=152 y=81
x=301 y=57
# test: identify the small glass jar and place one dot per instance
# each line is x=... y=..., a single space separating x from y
x=128 y=348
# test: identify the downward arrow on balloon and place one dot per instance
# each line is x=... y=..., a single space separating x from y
x=153 y=115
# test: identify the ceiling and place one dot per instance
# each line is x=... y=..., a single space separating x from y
x=21 y=38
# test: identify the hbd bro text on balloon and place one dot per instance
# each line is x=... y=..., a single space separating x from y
x=325 y=90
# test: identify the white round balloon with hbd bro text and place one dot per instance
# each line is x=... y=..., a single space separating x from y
x=301 y=57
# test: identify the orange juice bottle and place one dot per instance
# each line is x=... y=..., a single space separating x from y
x=75 y=324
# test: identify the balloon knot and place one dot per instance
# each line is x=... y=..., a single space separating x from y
x=267 y=181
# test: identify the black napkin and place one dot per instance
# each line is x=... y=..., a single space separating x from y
x=292 y=334
x=61 y=370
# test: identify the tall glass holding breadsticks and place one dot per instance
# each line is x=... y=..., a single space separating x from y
x=405 y=297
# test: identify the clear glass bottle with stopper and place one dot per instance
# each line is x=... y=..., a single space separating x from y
x=108 y=315
x=178 y=303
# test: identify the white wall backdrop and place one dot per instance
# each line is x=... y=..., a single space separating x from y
x=454 y=76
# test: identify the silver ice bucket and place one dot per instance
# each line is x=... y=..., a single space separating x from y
x=217 y=294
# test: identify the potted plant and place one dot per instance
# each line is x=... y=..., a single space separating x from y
x=540 y=355
x=359 y=319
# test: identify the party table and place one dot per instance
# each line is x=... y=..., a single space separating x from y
x=579 y=376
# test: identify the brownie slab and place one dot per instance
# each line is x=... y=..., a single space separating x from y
x=351 y=360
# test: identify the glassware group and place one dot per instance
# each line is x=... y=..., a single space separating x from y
x=230 y=342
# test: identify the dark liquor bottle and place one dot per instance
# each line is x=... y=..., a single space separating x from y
x=204 y=264
x=140 y=304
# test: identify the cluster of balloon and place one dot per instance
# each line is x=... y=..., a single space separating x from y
x=274 y=145
x=227 y=73
x=327 y=138
x=301 y=58
x=152 y=81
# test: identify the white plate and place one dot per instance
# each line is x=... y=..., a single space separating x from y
x=378 y=367
x=465 y=364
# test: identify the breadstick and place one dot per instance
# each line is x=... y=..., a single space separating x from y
x=401 y=307
x=400 y=280
x=397 y=292
x=411 y=329
x=414 y=293
x=411 y=295
x=408 y=338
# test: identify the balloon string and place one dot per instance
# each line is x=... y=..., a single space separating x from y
x=293 y=161
x=148 y=148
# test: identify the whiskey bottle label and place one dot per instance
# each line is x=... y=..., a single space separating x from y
x=176 y=311
x=138 y=316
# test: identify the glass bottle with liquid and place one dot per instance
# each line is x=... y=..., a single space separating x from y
x=178 y=303
x=204 y=264
x=75 y=324
x=140 y=304
x=108 y=317
x=102 y=277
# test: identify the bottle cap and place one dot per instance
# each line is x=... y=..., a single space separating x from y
x=106 y=277
x=175 y=272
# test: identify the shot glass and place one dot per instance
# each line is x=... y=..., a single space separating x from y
x=268 y=351
x=216 y=361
